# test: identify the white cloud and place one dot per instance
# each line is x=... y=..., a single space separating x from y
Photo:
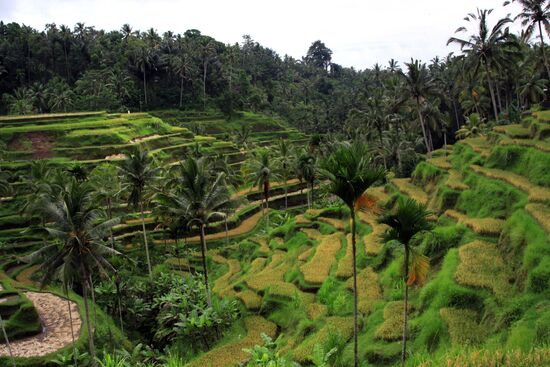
x=360 y=33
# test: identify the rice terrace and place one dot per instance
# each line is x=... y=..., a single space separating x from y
x=172 y=198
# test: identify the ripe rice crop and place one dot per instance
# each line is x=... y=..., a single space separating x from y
x=541 y=213
x=536 y=193
x=289 y=291
x=373 y=243
x=379 y=193
x=340 y=325
x=222 y=283
x=318 y=268
x=513 y=131
x=405 y=186
x=345 y=265
x=336 y=223
x=368 y=290
x=271 y=274
x=537 y=144
x=233 y=354
x=306 y=254
x=454 y=181
x=440 y=162
x=481 y=265
x=392 y=327
x=316 y=310
x=483 y=226
x=536 y=357
x=250 y=299
x=312 y=233
x=462 y=326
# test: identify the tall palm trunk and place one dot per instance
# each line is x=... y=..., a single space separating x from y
x=205 y=65
x=266 y=197
x=491 y=89
x=110 y=212
x=405 y=309
x=203 y=252
x=354 y=258
x=72 y=326
x=421 y=118
x=181 y=92
x=145 y=239
x=117 y=284
x=543 y=51
x=91 y=348
x=7 y=341
x=145 y=86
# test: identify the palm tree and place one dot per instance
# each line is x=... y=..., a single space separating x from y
x=262 y=170
x=180 y=65
x=535 y=13
x=201 y=195
x=139 y=171
x=350 y=173
x=107 y=186
x=419 y=85
x=473 y=127
x=285 y=158
x=207 y=51
x=406 y=221
x=143 y=59
x=77 y=229
x=308 y=171
x=532 y=87
x=487 y=48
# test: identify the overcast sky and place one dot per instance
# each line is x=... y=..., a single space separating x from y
x=359 y=32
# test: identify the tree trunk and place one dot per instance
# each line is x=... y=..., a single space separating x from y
x=66 y=62
x=145 y=239
x=286 y=193
x=203 y=251
x=543 y=52
x=7 y=341
x=92 y=291
x=144 y=86
x=355 y=322
x=181 y=92
x=117 y=284
x=91 y=331
x=456 y=115
x=205 y=65
x=405 y=313
x=267 y=214
x=110 y=212
x=72 y=326
x=491 y=90
x=423 y=127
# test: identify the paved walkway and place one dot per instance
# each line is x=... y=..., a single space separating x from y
x=56 y=333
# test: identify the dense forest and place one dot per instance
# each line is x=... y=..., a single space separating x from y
x=61 y=68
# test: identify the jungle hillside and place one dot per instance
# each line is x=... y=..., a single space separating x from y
x=169 y=200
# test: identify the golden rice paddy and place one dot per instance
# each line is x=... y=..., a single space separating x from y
x=483 y=226
x=318 y=268
x=368 y=290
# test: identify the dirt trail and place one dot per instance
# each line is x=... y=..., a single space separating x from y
x=56 y=333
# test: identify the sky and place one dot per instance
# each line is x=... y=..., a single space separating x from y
x=359 y=32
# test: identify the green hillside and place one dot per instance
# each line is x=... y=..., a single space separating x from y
x=486 y=298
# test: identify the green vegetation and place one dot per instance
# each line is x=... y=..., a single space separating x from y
x=411 y=228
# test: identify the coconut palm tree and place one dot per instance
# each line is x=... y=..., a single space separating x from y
x=308 y=171
x=201 y=195
x=487 y=48
x=262 y=170
x=535 y=14
x=473 y=127
x=407 y=220
x=285 y=162
x=77 y=229
x=419 y=85
x=139 y=172
x=144 y=58
x=350 y=172
x=107 y=186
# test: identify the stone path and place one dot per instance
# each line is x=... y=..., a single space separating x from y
x=56 y=333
